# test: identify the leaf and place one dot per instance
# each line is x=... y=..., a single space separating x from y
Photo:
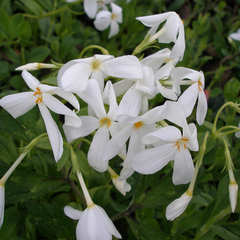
x=34 y=7
x=157 y=190
x=25 y=31
x=65 y=156
x=38 y=54
x=14 y=24
x=224 y=233
x=4 y=23
x=50 y=81
x=143 y=231
x=11 y=216
x=25 y=185
x=82 y=161
x=50 y=220
x=44 y=143
x=8 y=150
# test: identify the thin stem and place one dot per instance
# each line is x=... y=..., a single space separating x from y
x=236 y=129
x=103 y=50
x=88 y=199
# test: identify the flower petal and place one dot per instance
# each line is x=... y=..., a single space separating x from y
x=102 y=20
x=90 y=7
x=201 y=107
x=114 y=29
x=54 y=134
x=72 y=213
x=19 y=103
x=30 y=80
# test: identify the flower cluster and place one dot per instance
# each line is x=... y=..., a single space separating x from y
x=142 y=137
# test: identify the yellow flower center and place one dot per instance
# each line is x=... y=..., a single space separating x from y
x=181 y=142
x=113 y=16
x=95 y=64
x=105 y=122
x=137 y=125
x=38 y=95
x=199 y=85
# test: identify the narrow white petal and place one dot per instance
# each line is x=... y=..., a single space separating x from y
x=30 y=80
x=124 y=67
x=117 y=11
x=193 y=142
x=116 y=143
x=113 y=106
x=72 y=213
x=201 y=107
x=19 y=103
x=152 y=160
x=188 y=99
x=2 y=204
x=54 y=134
x=96 y=150
x=183 y=169
x=68 y=96
x=89 y=124
x=122 y=86
x=90 y=7
x=114 y=29
x=235 y=36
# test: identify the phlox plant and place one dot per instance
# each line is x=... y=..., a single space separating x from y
x=123 y=142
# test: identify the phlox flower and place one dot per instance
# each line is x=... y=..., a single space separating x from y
x=178 y=206
x=41 y=95
x=189 y=97
x=74 y=75
x=236 y=35
x=93 y=223
x=105 y=18
x=134 y=129
x=170 y=144
x=233 y=195
x=102 y=121
x=172 y=31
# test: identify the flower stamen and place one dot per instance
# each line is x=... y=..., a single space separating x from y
x=137 y=125
x=105 y=122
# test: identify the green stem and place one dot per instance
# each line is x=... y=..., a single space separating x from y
x=103 y=50
x=236 y=129
x=208 y=225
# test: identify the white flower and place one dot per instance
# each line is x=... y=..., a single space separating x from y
x=74 y=75
x=235 y=36
x=172 y=31
x=105 y=18
x=122 y=186
x=178 y=206
x=233 y=195
x=189 y=97
x=2 y=203
x=102 y=121
x=93 y=223
x=20 y=103
x=170 y=144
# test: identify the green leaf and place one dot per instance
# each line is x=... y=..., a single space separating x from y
x=82 y=162
x=143 y=231
x=50 y=81
x=65 y=156
x=11 y=54
x=11 y=216
x=38 y=54
x=14 y=24
x=25 y=30
x=17 y=82
x=4 y=23
x=157 y=190
x=224 y=233
x=44 y=143
x=8 y=150
x=231 y=89
x=25 y=185
x=50 y=220
x=33 y=6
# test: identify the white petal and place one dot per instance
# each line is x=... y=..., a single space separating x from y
x=90 y=7
x=54 y=134
x=116 y=10
x=124 y=67
x=131 y=102
x=152 y=160
x=2 y=204
x=114 y=29
x=193 y=142
x=19 y=103
x=89 y=124
x=201 y=107
x=178 y=206
x=96 y=149
x=188 y=99
x=75 y=78
x=235 y=36
x=113 y=106
x=233 y=195
x=183 y=169
x=30 y=80
x=103 y=20
x=116 y=143
x=68 y=96
x=122 y=86
x=72 y=213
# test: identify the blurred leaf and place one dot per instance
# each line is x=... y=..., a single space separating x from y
x=33 y=6
x=224 y=233
x=14 y=24
x=11 y=216
x=25 y=30
x=50 y=220
x=38 y=54
x=44 y=143
x=25 y=185
x=82 y=161
x=50 y=81
x=143 y=231
x=11 y=54
x=8 y=150
x=65 y=156
x=17 y=82
x=231 y=89
x=4 y=23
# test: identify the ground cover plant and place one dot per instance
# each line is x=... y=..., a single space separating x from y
x=119 y=119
